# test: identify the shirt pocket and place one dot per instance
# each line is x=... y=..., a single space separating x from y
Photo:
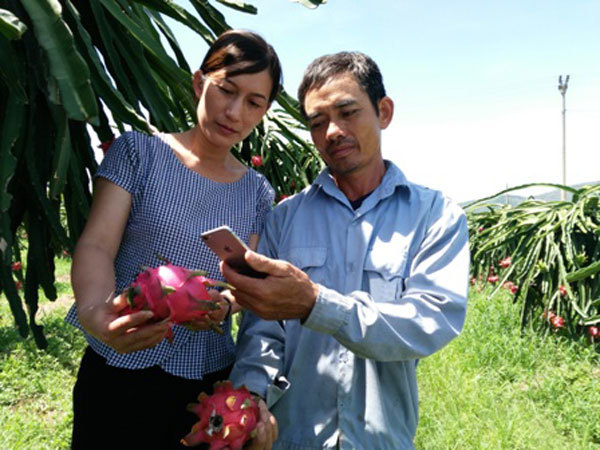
x=384 y=272
x=310 y=260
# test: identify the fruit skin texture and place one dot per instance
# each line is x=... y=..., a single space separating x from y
x=227 y=418
x=256 y=161
x=172 y=292
x=505 y=262
x=493 y=278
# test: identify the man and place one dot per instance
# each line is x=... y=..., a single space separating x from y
x=367 y=273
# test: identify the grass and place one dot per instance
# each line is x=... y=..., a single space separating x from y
x=36 y=385
x=495 y=387
x=491 y=388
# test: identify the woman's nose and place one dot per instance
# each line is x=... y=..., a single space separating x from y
x=234 y=108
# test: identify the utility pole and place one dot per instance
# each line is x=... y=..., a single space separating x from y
x=562 y=87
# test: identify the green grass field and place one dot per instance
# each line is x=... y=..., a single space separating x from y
x=496 y=388
x=491 y=388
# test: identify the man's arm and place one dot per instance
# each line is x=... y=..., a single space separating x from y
x=430 y=313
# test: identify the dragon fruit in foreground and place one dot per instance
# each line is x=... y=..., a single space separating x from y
x=227 y=418
x=172 y=292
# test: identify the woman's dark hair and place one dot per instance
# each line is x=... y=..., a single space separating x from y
x=239 y=52
x=361 y=66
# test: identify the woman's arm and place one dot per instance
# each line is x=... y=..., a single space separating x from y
x=93 y=278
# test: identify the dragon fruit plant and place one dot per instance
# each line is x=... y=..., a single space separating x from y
x=172 y=292
x=228 y=418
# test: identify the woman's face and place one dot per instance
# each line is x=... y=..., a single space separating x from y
x=230 y=107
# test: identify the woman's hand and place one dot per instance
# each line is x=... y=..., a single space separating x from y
x=93 y=278
x=266 y=430
x=216 y=317
x=125 y=334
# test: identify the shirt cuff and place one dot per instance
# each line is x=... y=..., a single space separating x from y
x=254 y=382
x=329 y=313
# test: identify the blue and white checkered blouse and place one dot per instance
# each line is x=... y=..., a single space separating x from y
x=171 y=206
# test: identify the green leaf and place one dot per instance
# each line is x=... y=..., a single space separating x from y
x=12 y=125
x=152 y=92
x=66 y=64
x=62 y=153
x=170 y=37
x=291 y=106
x=11 y=69
x=181 y=15
x=213 y=18
x=584 y=272
x=14 y=300
x=40 y=255
x=110 y=30
x=516 y=188
x=10 y=25
x=239 y=6
x=35 y=128
x=146 y=40
x=116 y=103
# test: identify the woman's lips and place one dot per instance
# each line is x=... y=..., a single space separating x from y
x=225 y=129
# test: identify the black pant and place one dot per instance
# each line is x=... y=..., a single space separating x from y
x=116 y=408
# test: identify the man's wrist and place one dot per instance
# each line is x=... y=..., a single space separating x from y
x=312 y=300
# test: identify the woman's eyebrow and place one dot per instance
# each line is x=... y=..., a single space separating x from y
x=254 y=94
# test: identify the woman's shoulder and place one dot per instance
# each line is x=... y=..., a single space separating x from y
x=259 y=180
x=140 y=139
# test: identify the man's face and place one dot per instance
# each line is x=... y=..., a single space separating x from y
x=344 y=126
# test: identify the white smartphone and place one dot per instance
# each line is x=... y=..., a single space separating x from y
x=230 y=248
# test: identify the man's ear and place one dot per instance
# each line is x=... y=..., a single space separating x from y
x=198 y=83
x=386 y=112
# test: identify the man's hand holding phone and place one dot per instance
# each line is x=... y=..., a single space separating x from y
x=231 y=249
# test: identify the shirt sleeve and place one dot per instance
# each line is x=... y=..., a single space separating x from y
x=121 y=164
x=431 y=310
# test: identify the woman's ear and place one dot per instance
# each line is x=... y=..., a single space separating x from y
x=198 y=83
x=386 y=112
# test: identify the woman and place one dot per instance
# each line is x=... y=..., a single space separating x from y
x=154 y=196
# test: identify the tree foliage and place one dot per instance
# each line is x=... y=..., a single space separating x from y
x=73 y=68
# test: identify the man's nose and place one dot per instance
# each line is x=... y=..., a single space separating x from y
x=334 y=131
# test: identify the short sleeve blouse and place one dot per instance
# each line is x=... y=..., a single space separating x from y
x=171 y=206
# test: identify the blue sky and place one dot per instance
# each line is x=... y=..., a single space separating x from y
x=474 y=83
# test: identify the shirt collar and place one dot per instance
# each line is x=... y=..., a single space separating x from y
x=392 y=179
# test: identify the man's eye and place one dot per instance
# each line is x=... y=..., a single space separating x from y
x=315 y=125
x=349 y=112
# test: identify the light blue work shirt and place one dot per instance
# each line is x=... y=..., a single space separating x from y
x=393 y=281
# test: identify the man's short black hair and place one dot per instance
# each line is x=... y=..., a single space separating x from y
x=361 y=66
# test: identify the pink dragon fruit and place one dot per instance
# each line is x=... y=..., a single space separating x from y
x=227 y=418
x=172 y=292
